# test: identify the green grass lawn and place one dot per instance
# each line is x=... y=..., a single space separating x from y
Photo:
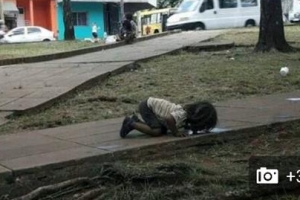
x=249 y=36
x=41 y=48
x=182 y=78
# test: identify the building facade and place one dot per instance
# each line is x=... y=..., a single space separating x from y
x=84 y=14
x=105 y=13
x=30 y=12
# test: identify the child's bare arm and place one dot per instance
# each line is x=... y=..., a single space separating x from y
x=172 y=126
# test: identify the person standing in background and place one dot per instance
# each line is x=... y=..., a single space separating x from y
x=95 y=29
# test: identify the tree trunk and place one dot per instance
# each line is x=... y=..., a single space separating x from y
x=271 y=32
x=68 y=20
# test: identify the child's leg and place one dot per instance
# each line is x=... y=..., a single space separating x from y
x=144 y=128
x=152 y=126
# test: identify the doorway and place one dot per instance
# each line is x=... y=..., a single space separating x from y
x=21 y=17
x=112 y=24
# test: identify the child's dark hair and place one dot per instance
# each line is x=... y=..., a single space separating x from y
x=201 y=115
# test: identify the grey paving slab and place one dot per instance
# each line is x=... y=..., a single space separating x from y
x=4 y=101
x=83 y=129
x=233 y=124
x=8 y=93
x=48 y=92
x=56 y=157
x=24 y=140
x=145 y=49
x=4 y=170
x=263 y=109
x=34 y=149
x=135 y=140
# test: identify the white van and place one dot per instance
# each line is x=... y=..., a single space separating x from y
x=294 y=12
x=215 y=14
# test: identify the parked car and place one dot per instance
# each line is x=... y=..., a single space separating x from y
x=28 y=34
x=3 y=29
x=2 y=33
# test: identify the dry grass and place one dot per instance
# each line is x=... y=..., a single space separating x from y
x=249 y=36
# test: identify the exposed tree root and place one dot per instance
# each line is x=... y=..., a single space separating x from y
x=45 y=190
x=91 y=194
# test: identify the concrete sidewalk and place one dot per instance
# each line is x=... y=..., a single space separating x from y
x=27 y=86
x=64 y=145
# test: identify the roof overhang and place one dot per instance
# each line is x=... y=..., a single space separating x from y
x=10 y=7
x=151 y=2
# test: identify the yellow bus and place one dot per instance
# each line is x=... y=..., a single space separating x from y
x=153 y=21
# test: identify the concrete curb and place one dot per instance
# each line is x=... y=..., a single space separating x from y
x=49 y=57
x=93 y=162
x=209 y=46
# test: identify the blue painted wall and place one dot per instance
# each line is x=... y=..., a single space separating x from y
x=95 y=13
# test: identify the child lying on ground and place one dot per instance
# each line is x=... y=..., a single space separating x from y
x=160 y=115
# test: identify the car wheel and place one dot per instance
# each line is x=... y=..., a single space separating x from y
x=250 y=23
x=46 y=40
x=199 y=27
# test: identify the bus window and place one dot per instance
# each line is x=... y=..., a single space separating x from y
x=153 y=19
x=159 y=18
x=146 y=20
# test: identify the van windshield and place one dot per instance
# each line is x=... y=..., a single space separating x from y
x=188 y=6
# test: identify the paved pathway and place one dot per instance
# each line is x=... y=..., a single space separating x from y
x=27 y=86
x=101 y=138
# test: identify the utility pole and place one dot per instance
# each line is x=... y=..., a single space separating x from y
x=1 y=11
x=122 y=10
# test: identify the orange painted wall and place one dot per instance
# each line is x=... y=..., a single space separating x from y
x=25 y=5
x=53 y=16
x=44 y=13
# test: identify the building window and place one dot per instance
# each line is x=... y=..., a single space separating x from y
x=21 y=11
x=80 y=19
x=19 y=31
